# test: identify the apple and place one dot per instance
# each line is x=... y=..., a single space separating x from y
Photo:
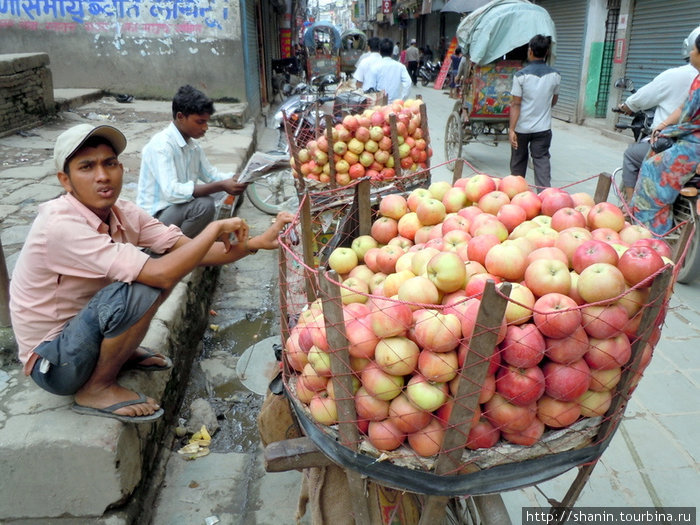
x=446 y=271
x=420 y=259
x=633 y=300
x=606 y=215
x=408 y=225
x=427 y=441
x=631 y=233
x=606 y=234
x=511 y=185
x=546 y=276
x=440 y=367
x=430 y=211
x=639 y=263
x=542 y=236
x=403 y=262
x=492 y=226
x=312 y=380
x=369 y=407
x=556 y=413
x=418 y=290
x=529 y=201
x=610 y=353
x=478 y=185
x=547 y=252
x=600 y=282
x=416 y=196
x=594 y=403
x=661 y=246
x=511 y=215
x=477 y=283
x=520 y=386
x=603 y=321
x=424 y=394
x=520 y=304
x=454 y=221
x=438 y=189
x=320 y=361
x=565 y=218
x=522 y=229
x=508 y=417
x=396 y=356
x=384 y=229
x=342 y=260
x=593 y=251
x=582 y=199
x=389 y=318
x=568 y=349
x=407 y=417
x=380 y=384
x=523 y=346
x=323 y=409
x=482 y=435
x=556 y=315
x=393 y=282
x=554 y=199
x=437 y=331
x=393 y=206
x=354 y=290
x=493 y=201
x=570 y=239
x=295 y=356
x=506 y=261
x=387 y=257
x=454 y=240
x=467 y=313
x=454 y=199
x=605 y=379
x=383 y=435
x=566 y=382
x=478 y=247
x=361 y=244
x=527 y=437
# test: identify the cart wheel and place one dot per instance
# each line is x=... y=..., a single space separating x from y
x=685 y=209
x=453 y=138
x=274 y=192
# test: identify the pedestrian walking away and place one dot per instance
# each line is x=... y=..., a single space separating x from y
x=388 y=74
x=85 y=287
x=412 y=57
x=176 y=181
x=535 y=91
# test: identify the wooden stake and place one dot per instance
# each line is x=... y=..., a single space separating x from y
x=307 y=239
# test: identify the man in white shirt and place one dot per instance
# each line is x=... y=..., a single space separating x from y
x=367 y=63
x=388 y=74
x=173 y=163
x=412 y=57
x=535 y=90
x=666 y=92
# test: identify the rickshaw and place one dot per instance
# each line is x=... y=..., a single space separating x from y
x=353 y=44
x=322 y=43
x=494 y=40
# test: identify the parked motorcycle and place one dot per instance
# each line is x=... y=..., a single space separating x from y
x=429 y=71
x=685 y=207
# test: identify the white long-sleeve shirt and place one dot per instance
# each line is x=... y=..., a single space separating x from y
x=170 y=168
x=389 y=75
x=666 y=92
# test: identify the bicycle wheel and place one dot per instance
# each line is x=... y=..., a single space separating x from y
x=274 y=192
x=685 y=209
x=453 y=139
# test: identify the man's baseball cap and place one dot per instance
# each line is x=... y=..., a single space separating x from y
x=72 y=139
x=413 y=41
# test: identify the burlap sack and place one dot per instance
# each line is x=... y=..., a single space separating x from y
x=276 y=421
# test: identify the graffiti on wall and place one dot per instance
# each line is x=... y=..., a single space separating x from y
x=155 y=17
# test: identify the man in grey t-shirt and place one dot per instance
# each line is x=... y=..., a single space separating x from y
x=535 y=90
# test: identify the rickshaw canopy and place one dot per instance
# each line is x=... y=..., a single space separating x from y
x=322 y=28
x=353 y=39
x=501 y=26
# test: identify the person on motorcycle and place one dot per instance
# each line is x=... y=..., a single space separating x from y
x=666 y=92
x=663 y=175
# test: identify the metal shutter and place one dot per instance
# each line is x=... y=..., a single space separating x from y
x=569 y=18
x=656 y=36
x=250 y=56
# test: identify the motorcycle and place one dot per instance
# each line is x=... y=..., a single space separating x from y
x=429 y=71
x=685 y=207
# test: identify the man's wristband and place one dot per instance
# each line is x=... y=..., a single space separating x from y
x=245 y=247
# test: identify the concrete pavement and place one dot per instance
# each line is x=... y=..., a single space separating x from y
x=652 y=461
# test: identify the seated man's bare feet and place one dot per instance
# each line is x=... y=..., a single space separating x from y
x=117 y=402
x=149 y=360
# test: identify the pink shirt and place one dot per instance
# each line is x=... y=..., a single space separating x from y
x=69 y=255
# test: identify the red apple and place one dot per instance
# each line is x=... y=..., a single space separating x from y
x=407 y=417
x=568 y=349
x=556 y=315
x=593 y=251
x=506 y=261
x=638 y=263
x=323 y=409
x=387 y=257
x=380 y=384
x=369 y=407
x=427 y=441
x=606 y=215
x=482 y=435
x=437 y=331
x=511 y=185
x=389 y=318
x=384 y=229
x=606 y=354
x=520 y=386
x=545 y=276
x=565 y=218
x=557 y=414
x=508 y=417
x=430 y=211
x=523 y=346
x=384 y=435
x=566 y=382
x=605 y=379
x=603 y=321
x=527 y=437
x=439 y=367
x=570 y=239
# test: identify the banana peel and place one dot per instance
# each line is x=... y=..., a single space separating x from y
x=198 y=445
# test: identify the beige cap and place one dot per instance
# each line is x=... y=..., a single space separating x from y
x=72 y=139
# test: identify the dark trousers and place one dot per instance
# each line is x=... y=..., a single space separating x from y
x=537 y=144
x=413 y=71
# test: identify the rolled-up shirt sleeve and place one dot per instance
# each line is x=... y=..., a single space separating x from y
x=164 y=171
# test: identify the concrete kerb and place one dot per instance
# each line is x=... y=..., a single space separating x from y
x=78 y=467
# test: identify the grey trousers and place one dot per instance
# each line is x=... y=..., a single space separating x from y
x=538 y=146
x=632 y=162
x=192 y=217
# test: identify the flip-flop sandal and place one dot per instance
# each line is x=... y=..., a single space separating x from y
x=135 y=364
x=110 y=411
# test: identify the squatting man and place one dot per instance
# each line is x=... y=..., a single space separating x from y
x=84 y=289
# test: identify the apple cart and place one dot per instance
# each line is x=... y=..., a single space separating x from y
x=457 y=481
x=494 y=41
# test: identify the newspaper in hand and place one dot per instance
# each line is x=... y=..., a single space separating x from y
x=261 y=164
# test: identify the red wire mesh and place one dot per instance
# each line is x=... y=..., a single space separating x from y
x=404 y=338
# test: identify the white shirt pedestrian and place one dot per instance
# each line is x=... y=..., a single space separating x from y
x=390 y=76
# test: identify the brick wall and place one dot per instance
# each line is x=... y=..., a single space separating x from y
x=26 y=90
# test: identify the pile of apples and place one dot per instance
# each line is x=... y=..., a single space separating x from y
x=412 y=289
x=362 y=145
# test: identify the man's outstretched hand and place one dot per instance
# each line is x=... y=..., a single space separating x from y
x=236 y=226
x=268 y=239
x=232 y=187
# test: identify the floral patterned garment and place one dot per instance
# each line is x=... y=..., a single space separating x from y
x=663 y=174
